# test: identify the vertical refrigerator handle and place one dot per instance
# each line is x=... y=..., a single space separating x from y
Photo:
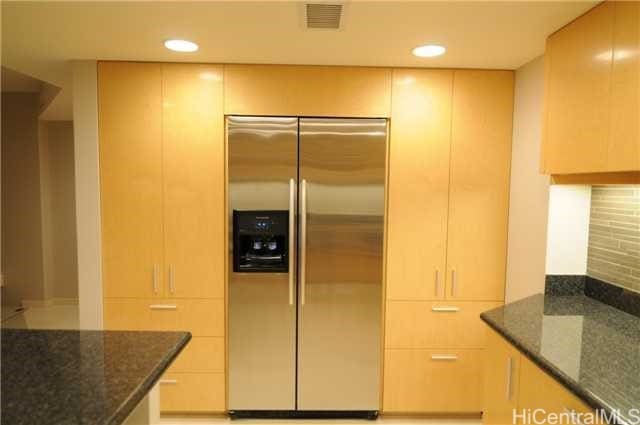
x=292 y=200
x=303 y=240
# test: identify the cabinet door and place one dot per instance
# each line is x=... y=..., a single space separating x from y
x=539 y=391
x=193 y=166
x=130 y=115
x=479 y=184
x=418 y=184
x=578 y=95
x=623 y=152
x=501 y=375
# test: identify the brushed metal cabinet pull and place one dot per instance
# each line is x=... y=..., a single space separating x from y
x=163 y=307
x=172 y=286
x=168 y=381
x=453 y=283
x=444 y=357
x=155 y=278
x=509 y=377
x=445 y=309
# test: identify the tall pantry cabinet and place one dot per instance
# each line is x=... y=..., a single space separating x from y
x=161 y=130
x=449 y=169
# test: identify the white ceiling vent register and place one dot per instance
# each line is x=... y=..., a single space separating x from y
x=323 y=15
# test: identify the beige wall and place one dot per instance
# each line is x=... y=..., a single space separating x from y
x=87 y=171
x=22 y=263
x=529 y=196
x=58 y=209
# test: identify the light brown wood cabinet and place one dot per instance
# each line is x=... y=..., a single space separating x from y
x=449 y=166
x=193 y=180
x=515 y=383
x=163 y=197
x=592 y=93
x=538 y=390
x=192 y=392
x=437 y=381
x=420 y=142
x=481 y=130
x=501 y=380
x=315 y=91
x=130 y=131
x=162 y=192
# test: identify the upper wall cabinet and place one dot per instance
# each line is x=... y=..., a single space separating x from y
x=623 y=150
x=307 y=91
x=592 y=93
x=130 y=115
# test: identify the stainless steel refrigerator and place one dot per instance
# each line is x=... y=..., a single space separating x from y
x=306 y=222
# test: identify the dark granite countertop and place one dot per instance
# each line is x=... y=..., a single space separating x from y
x=81 y=377
x=591 y=348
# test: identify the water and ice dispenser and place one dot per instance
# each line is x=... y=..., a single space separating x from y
x=260 y=241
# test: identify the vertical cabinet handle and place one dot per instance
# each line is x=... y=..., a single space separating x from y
x=453 y=283
x=437 y=279
x=303 y=241
x=509 y=377
x=155 y=278
x=172 y=286
x=292 y=200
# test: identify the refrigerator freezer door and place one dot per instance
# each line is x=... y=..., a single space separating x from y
x=342 y=172
x=262 y=161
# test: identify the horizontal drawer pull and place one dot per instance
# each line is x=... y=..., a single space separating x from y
x=444 y=357
x=163 y=307
x=168 y=381
x=445 y=309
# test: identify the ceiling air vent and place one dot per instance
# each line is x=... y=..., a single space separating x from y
x=323 y=15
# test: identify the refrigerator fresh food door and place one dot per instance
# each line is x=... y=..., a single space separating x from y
x=342 y=197
x=262 y=191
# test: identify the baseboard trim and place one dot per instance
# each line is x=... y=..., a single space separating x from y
x=48 y=303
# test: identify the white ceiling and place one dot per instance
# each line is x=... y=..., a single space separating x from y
x=40 y=38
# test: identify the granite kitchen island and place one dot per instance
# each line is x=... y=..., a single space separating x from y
x=83 y=377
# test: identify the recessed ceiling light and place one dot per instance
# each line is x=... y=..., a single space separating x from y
x=181 y=45
x=429 y=50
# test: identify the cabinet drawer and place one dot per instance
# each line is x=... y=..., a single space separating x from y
x=192 y=392
x=433 y=381
x=127 y=314
x=201 y=317
x=202 y=354
x=424 y=324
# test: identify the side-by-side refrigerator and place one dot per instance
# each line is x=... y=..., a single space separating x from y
x=306 y=222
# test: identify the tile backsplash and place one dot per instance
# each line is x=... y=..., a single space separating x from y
x=614 y=236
